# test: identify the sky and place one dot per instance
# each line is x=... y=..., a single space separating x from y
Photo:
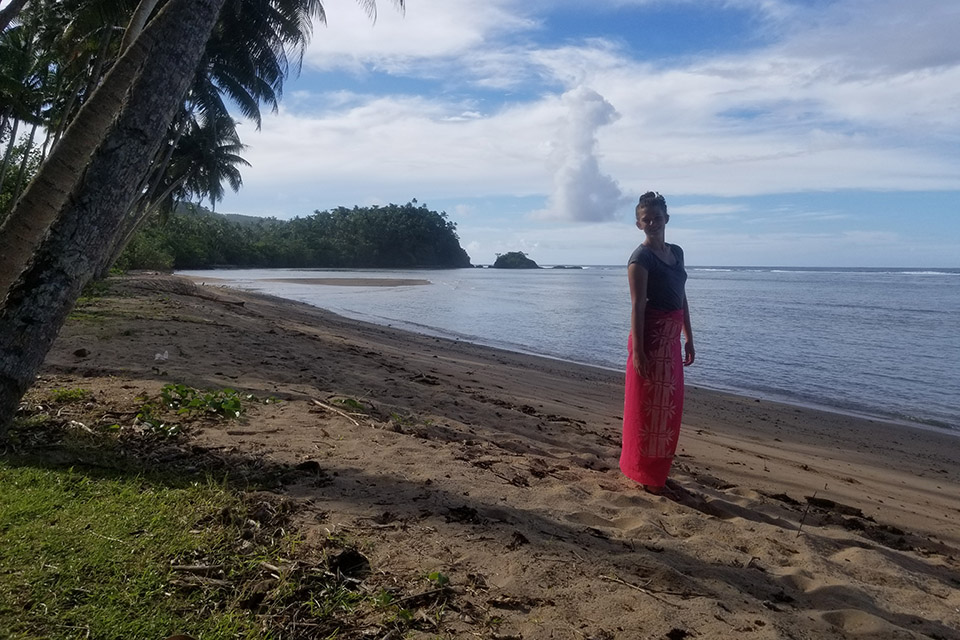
x=781 y=132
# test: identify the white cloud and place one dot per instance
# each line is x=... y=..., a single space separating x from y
x=428 y=30
x=580 y=190
x=705 y=209
x=863 y=38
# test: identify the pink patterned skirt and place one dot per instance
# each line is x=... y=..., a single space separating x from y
x=653 y=407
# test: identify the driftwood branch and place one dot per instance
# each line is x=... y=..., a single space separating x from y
x=638 y=588
x=337 y=411
x=805 y=511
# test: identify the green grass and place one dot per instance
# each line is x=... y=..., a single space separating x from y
x=85 y=555
x=96 y=536
x=75 y=394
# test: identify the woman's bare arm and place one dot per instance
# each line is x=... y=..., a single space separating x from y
x=638 y=305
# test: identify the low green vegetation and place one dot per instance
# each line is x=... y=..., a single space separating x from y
x=154 y=414
x=76 y=394
x=392 y=236
x=226 y=403
x=95 y=554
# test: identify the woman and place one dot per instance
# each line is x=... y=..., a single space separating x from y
x=653 y=399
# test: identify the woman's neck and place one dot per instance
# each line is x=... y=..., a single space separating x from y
x=657 y=244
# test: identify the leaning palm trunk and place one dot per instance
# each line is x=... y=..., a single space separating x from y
x=137 y=22
x=25 y=160
x=38 y=302
x=143 y=207
x=130 y=225
x=43 y=198
x=8 y=156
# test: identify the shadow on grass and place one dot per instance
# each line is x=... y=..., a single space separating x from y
x=170 y=461
x=176 y=462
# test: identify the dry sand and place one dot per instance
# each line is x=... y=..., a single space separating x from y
x=500 y=471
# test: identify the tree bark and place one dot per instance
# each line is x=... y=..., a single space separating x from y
x=38 y=302
x=47 y=193
x=25 y=160
x=137 y=22
x=8 y=155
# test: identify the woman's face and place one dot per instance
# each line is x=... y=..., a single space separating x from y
x=651 y=220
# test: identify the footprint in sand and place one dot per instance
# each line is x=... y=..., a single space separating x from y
x=588 y=519
x=865 y=625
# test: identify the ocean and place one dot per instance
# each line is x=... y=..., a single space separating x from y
x=883 y=343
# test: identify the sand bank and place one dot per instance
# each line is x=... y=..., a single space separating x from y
x=353 y=282
x=333 y=282
x=500 y=471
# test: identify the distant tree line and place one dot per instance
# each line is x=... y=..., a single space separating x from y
x=392 y=236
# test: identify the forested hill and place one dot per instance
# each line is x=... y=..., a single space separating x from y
x=392 y=236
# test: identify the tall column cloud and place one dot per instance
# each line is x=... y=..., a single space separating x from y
x=581 y=193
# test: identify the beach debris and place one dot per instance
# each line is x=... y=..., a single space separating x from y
x=677 y=634
x=836 y=507
x=805 y=512
x=510 y=603
x=81 y=352
x=423 y=378
x=783 y=497
x=161 y=357
x=539 y=468
x=518 y=541
x=464 y=514
x=517 y=480
x=714 y=482
x=335 y=410
x=385 y=518
x=637 y=587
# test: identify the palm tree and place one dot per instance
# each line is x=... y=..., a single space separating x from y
x=267 y=28
x=102 y=190
x=205 y=157
x=22 y=78
x=48 y=191
x=38 y=302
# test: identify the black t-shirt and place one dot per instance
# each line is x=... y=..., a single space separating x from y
x=664 y=282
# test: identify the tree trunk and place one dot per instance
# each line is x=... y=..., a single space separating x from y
x=144 y=205
x=25 y=160
x=137 y=22
x=9 y=153
x=130 y=228
x=39 y=301
x=47 y=193
x=10 y=12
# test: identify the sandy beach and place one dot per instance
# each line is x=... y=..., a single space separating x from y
x=499 y=470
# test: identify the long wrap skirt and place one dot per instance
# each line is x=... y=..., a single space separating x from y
x=653 y=406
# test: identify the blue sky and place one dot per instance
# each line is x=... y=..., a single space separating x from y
x=782 y=132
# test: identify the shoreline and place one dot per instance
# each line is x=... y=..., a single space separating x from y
x=446 y=335
x=499 y=469
x=838 y=399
